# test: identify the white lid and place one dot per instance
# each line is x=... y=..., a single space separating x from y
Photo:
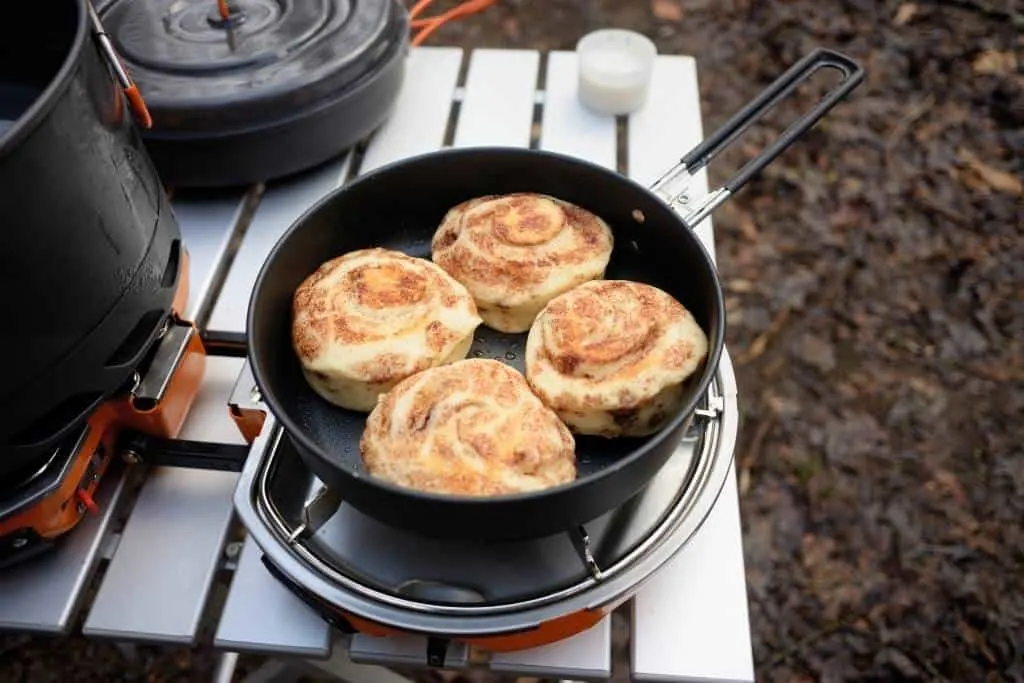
x=614 y=70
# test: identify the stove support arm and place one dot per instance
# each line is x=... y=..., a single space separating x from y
x=136 y=447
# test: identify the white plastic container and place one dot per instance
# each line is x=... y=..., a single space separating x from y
x=614 y=70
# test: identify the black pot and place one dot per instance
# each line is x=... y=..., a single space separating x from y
x=275 y=89
x=90 y=251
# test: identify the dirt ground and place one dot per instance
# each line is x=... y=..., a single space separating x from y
x=875 y=279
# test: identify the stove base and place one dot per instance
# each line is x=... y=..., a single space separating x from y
x=437 y=646
x=53 y=501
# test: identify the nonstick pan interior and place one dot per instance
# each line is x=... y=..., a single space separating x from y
x=399 y=207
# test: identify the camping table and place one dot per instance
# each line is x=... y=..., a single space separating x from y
x=164 y=550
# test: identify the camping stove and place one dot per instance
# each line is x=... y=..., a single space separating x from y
x=40 y=509
x=363 y=576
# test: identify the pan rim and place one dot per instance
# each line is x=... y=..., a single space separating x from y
x=292 y=431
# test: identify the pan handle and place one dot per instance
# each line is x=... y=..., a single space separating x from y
x=674 y=185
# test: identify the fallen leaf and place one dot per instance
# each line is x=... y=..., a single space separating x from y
x=748 y=227
x=997 y=372
x=948 y=481
x=183 y=659
x=995 y=62
x=510 y=26
x=818 y=352
x=760 y=343
x=995 y=178
x=975 y=639
x=667 y=10
x=905 y=13
x=757 y=347
x=744 y=483
x=739 y=286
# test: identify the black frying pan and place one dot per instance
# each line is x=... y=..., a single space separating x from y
x=401 y=205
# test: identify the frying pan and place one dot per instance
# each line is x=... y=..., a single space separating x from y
x=399 y=206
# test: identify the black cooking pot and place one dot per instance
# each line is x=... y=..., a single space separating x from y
x=277 y=88
x=89 y=250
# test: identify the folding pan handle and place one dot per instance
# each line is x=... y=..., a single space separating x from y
x=673 y=185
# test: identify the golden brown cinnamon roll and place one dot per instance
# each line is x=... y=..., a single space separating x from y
x=366 y=320
x=469 y=428
x=516 y=252
x=611 y=357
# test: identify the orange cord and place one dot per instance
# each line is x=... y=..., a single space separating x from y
x=418 y=8
x=428 y=25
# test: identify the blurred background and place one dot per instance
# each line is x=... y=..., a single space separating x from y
x=875 y=289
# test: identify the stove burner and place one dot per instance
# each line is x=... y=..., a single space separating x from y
x=363 y=575
x=46 y=479
x=402 y=568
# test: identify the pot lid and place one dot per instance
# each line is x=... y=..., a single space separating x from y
x=265 y=60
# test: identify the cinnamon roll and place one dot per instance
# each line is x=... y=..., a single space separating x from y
x=470 y=428
x=516 y=252
x=366 y=320
x=611 y=357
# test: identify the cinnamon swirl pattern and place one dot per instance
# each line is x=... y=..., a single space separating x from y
x=516 y=252
x=470 y=428
x=366 y=320
x=611 y=357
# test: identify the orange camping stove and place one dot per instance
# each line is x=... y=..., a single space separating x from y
x=51 y=502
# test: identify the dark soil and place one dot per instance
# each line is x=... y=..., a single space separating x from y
x=875 y=278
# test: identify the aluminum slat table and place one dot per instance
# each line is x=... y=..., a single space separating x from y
x=689 y=623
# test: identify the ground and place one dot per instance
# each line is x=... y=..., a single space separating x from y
x=875 y=284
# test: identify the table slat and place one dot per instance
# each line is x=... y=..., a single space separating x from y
x=403 y=651
x=508 y=77
x=667 y=127
x=157 y=583
x=261 y=615
x=569 y=127
x=206 y=225
x=279 y=206
x=422 y=110
x=690 y=621
x=584 y=655
x=418 y=125
x=41 y=596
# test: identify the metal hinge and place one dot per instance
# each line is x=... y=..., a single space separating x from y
x=715 y=407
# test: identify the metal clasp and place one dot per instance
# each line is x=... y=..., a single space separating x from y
x=149 y=387
x=245 y=395
x=320 y=508
x=581 y=542
x=715 y=407
x=677 y=188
